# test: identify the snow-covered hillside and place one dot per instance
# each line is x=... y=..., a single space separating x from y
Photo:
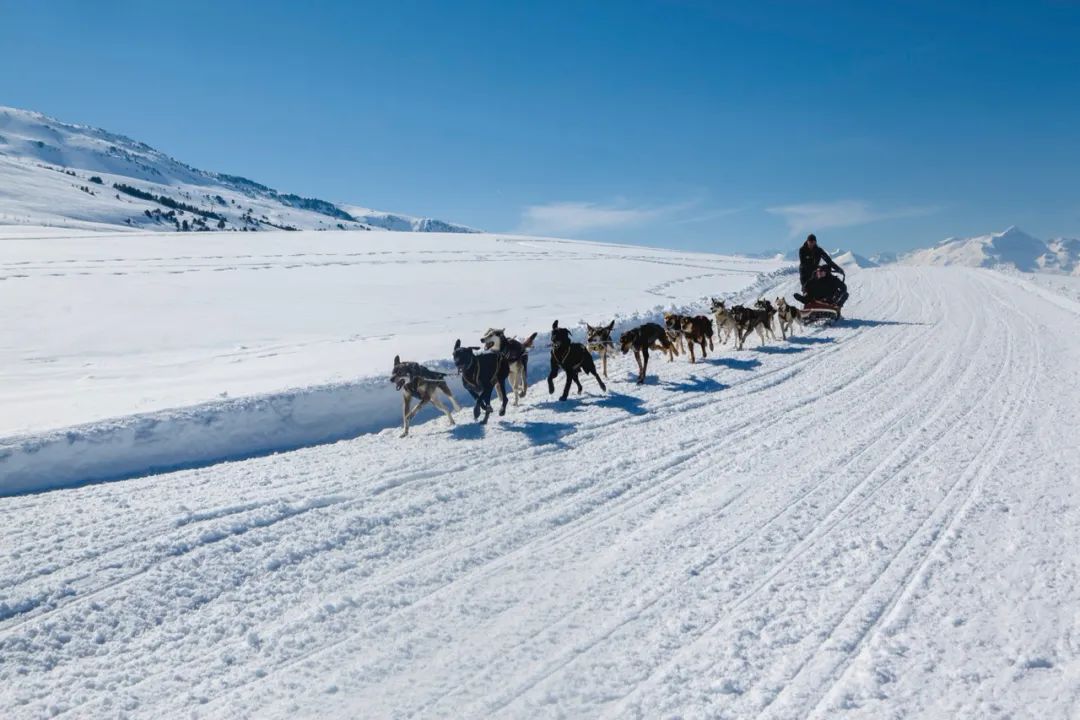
x=1012 y=247
x=877 y=519
x=56 y=173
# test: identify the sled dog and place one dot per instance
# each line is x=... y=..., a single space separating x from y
x=788 y=315
x=598 y=339
x=480 y=374
x=416 y=382
x=697 y=329
x=516 y=354
x=571 y=358
x=649 y=336
x=725 y=324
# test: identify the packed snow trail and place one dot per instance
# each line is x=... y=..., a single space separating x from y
x=877 y=519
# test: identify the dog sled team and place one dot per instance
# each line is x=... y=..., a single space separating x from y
x=506 y=358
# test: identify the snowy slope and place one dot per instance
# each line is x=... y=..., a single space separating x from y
x=1012 y=247
x=65 y=175
x=874 y=520
x=122 y=352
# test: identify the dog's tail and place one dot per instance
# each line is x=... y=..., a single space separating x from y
x=528 y=341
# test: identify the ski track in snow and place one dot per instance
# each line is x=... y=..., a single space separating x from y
x=876 y=519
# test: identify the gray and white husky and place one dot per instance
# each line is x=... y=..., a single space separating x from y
x=725 y=324
x=418 y=382
x=598 y=340
x=516 y=354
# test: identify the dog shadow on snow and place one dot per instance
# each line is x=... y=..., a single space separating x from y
x=611 y=399
x=541 y=433
x=468 y=431
x=779 y=350
x=734 y=363
x=696 y=384
x=628 y=403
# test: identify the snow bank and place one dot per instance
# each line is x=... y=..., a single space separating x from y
x=199 y=435
x=233 y=429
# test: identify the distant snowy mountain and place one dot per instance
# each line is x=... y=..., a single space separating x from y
x=848 y=258
x=1013 y=247
x=55 y=173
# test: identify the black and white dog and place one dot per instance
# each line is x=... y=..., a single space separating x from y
x=788 y=315
x=417 y=382
x=747 y=320
x=599 y=341
x=770 y=313
x=516 y=354
x=480 y=374
x=649 y=336
x=572 y=358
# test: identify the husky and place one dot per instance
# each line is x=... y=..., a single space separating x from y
x=516 y=353
x=571 y=357
x=697 y=329
x=414 y=380
x=725 y=324
x=788 y=315
x=599 y=340
x=747 y=320
x=480 y=374
x=674 y=323
x=649 y=336
x=770 y=312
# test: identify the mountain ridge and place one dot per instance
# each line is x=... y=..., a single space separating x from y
x=1011 y=247
x=76 y=175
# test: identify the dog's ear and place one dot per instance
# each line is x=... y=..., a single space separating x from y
x=611 y=326
x=397 y=359
x=457 y=344
x=555 y=325
x=589 y=328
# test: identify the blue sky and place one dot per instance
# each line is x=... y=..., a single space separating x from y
x=681 y=123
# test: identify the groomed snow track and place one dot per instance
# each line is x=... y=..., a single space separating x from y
x=876 y=519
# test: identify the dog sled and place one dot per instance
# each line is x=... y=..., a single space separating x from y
x=825 y=295
x=819 y=311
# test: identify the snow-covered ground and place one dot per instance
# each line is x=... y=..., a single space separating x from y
x=877 y=519
x=168 y=350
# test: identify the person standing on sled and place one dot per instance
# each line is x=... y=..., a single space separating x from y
x=817 y=282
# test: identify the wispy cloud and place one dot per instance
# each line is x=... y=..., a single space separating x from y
x=582 y=217
x=809 y=217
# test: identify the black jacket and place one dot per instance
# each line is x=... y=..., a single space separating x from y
x=809 y=260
